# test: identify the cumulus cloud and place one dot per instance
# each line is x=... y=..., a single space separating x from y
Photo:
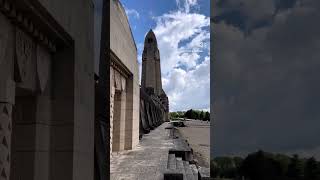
x=266 y=95
x=189 y=89
x=186 y=5
x=132 y=13
x=183 y=37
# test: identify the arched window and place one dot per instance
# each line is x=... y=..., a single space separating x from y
x=150 y=40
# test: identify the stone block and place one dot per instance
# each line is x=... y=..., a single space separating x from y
x=61 y=165
x=42 y=165
x=7 y=91
x=62 y=137
x=22 y=165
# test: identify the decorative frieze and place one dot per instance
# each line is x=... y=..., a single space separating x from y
x=118 y=66
x=24 y=55
x=5 y=139
x=25 y=24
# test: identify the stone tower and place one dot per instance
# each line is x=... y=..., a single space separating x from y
x=151 y=73
x=151 y=70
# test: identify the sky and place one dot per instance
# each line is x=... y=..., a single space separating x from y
x=182 y=31
x=266 y=77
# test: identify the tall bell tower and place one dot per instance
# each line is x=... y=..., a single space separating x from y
x=151 y=70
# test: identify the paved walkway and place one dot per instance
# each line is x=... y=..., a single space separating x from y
x=148 y=161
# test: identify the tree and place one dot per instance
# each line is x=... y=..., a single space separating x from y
x=188 y=114
x=284 y=161
x=237 y=162
x=214 y=169
x=201 y=116
x=311 y=169
x=295 y=168
x=207 y=116
x=194 y=114
x=260 y=166
x=226 y=167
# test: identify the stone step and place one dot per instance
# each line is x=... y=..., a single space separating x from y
x=204 y=173
x=172 y=162
x=180 y=167
x=194 y=171
x=187 y=168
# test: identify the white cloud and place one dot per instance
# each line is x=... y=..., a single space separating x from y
x=175 y=28
x=181 y=36
x=132 y=13
x=185 y=5
x=189 y=89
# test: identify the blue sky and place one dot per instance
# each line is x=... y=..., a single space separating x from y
x=182 y=31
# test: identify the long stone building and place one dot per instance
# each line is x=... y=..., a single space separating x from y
x=124 y=82
x=46 y=90
x=134 y=110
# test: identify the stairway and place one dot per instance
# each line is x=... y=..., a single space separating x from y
x=179 y=169
x=179 y=165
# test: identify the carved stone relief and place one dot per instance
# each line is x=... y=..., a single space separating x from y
x=123 y=83
x=5 y=139
x=112 y=93
x=6 y=48
x=43 y=66
x=117 y=78
x=25 y=61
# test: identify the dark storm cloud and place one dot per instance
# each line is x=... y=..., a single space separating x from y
x=267 y=83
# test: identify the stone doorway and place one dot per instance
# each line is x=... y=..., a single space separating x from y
x=36 y=89
x=121 y=109
x=119 y=118
x=22 y=141
x=117 y=111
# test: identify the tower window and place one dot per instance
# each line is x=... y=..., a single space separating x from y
x=150 y=40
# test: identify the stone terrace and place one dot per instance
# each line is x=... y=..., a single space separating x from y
x=150 y=160
x=147 y=161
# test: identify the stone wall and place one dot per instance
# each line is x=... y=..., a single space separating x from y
x=152 y=112
x=47 y=89
x=124 y=60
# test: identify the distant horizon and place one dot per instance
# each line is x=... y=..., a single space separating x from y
x=204 y=110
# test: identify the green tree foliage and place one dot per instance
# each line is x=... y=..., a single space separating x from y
x=266 y=166
x=225 y=167
x=284 y=161
x=201 y=116
x=178 y=114
x=311 y=169
x=207 y=116
x=260 y=166
x=295 y=168
x=191 y=114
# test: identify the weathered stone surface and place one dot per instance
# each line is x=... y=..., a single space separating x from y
x=43 y=66
x=5 y=139
x=153 y=159
x=147 y=161
x=125 y=80
x=6 y=48
x=52 y=131
x=151 y=85
x=25 y=60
